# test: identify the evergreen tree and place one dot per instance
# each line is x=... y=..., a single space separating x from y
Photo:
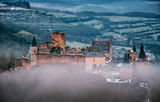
x=34 y=42
x=126 y=58
x=11 y=62
x=142 y=54
x=158 y=38
x=134 y=48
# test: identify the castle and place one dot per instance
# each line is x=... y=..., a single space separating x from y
x=98 y=55
x=56 y=52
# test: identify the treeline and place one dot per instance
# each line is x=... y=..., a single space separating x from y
x=8 y=33
x=81 y=33
x=7 y=62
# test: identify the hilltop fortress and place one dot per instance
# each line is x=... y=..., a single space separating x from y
x=56 y=52
x=96 y=57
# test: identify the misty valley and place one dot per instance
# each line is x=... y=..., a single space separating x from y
x=56 y=55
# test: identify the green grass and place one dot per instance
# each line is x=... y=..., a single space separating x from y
x=125 y=18
x=76 y=44
x=92 y=22
x=155 y=36
x=138 y=29
x=115 y=35
x=100 y=26
x=61 y=15
x=127 y=25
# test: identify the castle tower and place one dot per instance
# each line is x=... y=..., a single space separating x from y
x=105 y=45
x=33 y=52
x=58 y=40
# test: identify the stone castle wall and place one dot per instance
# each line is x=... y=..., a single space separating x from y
x=80 y=61
x=77 y=60
x=91 y=62
x=44 y=54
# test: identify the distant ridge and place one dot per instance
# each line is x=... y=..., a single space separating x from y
x=23 y=4
x=129 y=14
x=142 y=14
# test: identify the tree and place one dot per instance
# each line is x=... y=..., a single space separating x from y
x=126 y=58
x=142 y=54
x=56 y=50
x=158 y=38
x=3 y=62
x=11 y=59
x=134 y=48
x=34 y=42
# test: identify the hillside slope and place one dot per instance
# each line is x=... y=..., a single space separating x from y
x=124 y=29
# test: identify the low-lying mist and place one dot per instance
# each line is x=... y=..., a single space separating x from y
x=64 y=83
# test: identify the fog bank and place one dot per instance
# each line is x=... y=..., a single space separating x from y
x=59 y=83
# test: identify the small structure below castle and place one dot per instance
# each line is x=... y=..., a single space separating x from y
x=133 y=57
x=96 y=58
x=135 y=64
x=56 y=52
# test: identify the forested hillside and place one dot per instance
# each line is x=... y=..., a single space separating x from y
x=20 y=25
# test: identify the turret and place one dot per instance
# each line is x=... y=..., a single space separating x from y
x=126 y=58
x=33 y=52
x=134 y=48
